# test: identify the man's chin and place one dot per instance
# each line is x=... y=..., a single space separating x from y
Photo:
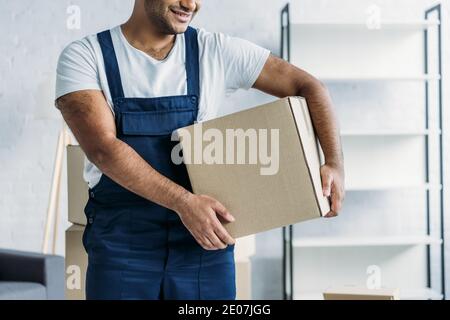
x=179 y=28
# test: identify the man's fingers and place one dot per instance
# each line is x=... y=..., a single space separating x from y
x=223 y=234
x=335 y=206
x=218 y=244
x=204 y=243
x=327 y=179
x=333 y=187
x=336 y=202
x=222 y=211
x=331 y=214
x=210 y=244
x=337 y=198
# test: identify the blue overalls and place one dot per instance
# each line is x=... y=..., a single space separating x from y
x=138 y=249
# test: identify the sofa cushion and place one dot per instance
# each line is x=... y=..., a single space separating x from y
x=22 y=291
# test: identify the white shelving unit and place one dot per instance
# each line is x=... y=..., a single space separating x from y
x=365 y=241
x=384 y=25
x=375 y=78
x=419 y=294
x=391 y=187
x=377 y=160
x=385 y=133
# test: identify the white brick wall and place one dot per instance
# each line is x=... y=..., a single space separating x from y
x=34 y=32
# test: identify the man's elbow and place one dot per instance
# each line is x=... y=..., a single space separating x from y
x=102 y=152
x=313 y=87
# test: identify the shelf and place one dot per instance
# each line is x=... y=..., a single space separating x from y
x=377 y=78
x=418 y=294
x=425 y=186
x=352 y=53
x=384 y=25
x=364 y=241
x=422 y=294
x=399 y=133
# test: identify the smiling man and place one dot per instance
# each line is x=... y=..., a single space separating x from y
x=122 y=92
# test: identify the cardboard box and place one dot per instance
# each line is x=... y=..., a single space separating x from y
x=354 y=293
x=77 y=188
x=261 y=194
x=76 y=264
x=245 y=248
x=243 y=279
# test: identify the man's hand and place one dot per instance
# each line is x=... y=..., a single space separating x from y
x=199 y=214
x=333 y=182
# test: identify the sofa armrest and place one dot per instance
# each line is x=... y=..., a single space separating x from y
x=47 y=270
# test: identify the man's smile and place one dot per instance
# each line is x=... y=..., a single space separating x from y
x=181 y=15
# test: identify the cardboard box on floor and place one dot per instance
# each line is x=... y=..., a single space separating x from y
x=354 y=293
x=76 y=264
x=260 y=202
x=77 y=188
x=243 y=279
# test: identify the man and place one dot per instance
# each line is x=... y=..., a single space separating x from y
x=122 y=92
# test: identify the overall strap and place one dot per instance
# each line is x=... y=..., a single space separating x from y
x=111 y=65
x=192 y=62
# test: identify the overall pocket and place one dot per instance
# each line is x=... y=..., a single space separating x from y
x=154 y=123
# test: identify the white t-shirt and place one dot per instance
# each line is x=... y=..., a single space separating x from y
x=226 y=64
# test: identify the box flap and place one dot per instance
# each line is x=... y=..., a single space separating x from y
x=311 y=149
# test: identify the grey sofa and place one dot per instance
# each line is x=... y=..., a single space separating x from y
x=31 y=276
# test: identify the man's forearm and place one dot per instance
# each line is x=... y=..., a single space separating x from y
x=282 y=79
x=122 y=164
x=88 y=115
x=325 y=121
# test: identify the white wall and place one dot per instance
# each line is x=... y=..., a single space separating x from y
x=34 y=32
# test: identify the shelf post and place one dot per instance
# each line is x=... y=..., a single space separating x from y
x=288 y=282
x=437 y=10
